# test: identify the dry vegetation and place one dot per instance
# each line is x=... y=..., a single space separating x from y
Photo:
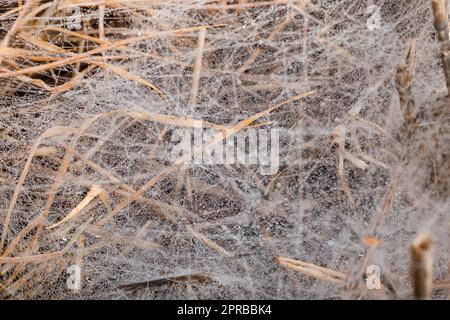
x=93 y=90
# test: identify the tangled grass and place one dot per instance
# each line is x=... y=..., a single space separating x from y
x=94 y=90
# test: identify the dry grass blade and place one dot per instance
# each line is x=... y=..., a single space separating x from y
x=16 y=26
x=312 y=270
x=230 y=131
x=127 y=75
x=24 y=173
x=95 y=191
x=211 y=244
x=197 y=68
x=83 y=57
x=43 y=257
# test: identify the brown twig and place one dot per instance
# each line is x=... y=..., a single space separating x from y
x=422 y=266
x=403 y=81
x=195 y=277
x=441 y=26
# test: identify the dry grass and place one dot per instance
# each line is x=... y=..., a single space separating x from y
x=93 y=92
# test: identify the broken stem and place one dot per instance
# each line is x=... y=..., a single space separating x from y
x=441 y=26
x=422 y=267
x=403 y=81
